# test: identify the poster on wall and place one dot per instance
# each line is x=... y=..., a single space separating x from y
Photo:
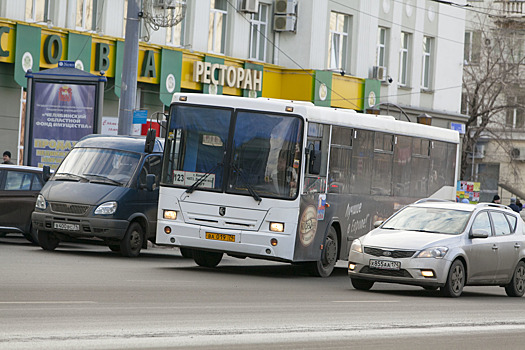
x=468 y=192
x=63 y=113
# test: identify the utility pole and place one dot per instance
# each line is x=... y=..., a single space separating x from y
x=128 y=94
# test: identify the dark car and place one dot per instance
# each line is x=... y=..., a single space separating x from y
x=19 y=187
x=103 y=189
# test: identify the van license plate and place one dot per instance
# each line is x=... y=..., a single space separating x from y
x=66 y=227
x=220 y=237
x=385 y=264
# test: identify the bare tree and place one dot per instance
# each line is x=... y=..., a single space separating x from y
x=492 y=82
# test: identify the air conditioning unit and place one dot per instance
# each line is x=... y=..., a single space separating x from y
x=286 y=7
x=284 y=23
x=250 y=6
x=379 y=72
x=165 y=4
x=518 y=153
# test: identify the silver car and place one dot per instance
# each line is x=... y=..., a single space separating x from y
x=436 y=244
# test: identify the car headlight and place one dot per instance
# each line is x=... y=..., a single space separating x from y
x=436 y=252
x=40 y=202
x=356 y=246
x=107 y=208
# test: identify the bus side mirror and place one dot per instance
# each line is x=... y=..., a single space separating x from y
x=46 y=173
x=150 y=182
x=314 y=163
x=150 y=140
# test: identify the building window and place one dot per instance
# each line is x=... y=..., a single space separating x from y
x=427 y=62
x=86 y=14
x=175 y=34
x=381 y=47
x=37 y=10
x=259 y=33
x=339 y=26
x=471 y=51
x=404 y=58
x=515 y=116
x=217 y=29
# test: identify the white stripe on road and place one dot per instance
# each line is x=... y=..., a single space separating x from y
x=48 y=302
x=365 y=301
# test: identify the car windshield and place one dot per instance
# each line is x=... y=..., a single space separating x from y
x=98 y=165
x=436 y=220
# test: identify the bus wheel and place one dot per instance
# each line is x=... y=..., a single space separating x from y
x=47 y=240
x=206 y=259
x=186 y=252
x=131 y=244
x=325 y=266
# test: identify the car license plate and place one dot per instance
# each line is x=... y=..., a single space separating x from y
x=220 y=237
x=385 y=264
x=66 y=227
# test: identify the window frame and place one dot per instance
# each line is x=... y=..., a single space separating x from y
x=261 y=34
x=31 y=8
x=83 y=17
x=342 y=41
x=216 y=15
x=381 y=48
x=426 y=66
x=404 y=59
x=179 y=27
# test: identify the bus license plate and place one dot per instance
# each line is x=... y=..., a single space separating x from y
x=385 y=264
x=220 y=237
x=66 y=227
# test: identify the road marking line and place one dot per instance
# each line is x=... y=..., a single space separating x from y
x=48 y=302
x=365 y=301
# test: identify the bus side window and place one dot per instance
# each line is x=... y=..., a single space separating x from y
x=318 y=136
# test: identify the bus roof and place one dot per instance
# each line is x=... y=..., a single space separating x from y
x=325 y=115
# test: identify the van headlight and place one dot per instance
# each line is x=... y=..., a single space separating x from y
x=41 y=202
x=107 y=208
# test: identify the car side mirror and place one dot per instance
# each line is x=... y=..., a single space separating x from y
x=150 y=182
x=46 y=173
x=378 y=223
x=479 y=233
x=314 y=166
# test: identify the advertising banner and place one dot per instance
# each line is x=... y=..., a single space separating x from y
x=63 y=113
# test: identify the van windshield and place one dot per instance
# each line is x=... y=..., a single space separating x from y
x=99 y=165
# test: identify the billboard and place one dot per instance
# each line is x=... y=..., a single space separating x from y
x=63 y=113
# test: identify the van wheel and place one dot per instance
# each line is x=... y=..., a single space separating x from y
x=114 y=247
x=186 y=252
x=325 y=266
x=47 y=240
x=207 y=259
x=131 y=244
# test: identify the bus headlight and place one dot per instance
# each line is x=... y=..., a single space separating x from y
x=169 y=214
x=276 y=226
x=107 y=208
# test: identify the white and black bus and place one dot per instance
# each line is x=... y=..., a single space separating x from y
x=290 y=181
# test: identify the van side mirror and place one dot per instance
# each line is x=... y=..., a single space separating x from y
x=479 y=233
x=150 y=140
x=314 y=162
x=46 y=173
x=150 y=182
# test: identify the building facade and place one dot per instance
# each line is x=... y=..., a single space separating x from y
x=401 y=57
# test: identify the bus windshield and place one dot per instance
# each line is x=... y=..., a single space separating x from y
x=263 y=159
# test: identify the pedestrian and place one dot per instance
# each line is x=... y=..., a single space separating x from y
x=7 y=158
x=496 y=199
x=518 y=203
x=513 y=205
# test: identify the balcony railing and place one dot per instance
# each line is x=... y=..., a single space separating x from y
x=512 y=8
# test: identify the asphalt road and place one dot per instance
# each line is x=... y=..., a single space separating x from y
x=85 y=297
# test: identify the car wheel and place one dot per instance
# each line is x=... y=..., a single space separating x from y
x=47 y=240
x=131 y=244
x=206 y=259
x=516 y=287
x=186 y=252
x=325 y=266
x=455 y=280
x=360 y=284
